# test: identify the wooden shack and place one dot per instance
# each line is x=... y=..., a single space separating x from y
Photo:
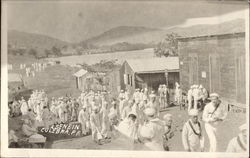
x=149 y=73
x=217 y=62
x=81 y=77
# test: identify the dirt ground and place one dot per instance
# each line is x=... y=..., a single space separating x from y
x=226 y=131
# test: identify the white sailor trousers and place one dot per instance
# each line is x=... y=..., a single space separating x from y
x=211 y=132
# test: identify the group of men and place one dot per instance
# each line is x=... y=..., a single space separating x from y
x=196 y=97
x=35 y=67
x=133 y=119
x=163 y=92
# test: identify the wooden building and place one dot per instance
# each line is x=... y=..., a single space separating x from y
x=217 y=62
x=86 y=81
x=149 y=73
x=113 y=82
x=81 y=77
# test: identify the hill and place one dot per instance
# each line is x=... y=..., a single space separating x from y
x=143 y=35
x=18 y=39
x=118 y=35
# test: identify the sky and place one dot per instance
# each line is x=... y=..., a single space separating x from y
x=78 y=20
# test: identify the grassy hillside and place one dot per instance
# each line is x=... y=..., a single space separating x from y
x=26 y=41
x=32 y=40
x=119 y=32
x=152 y=36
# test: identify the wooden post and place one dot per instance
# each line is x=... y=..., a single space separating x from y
x=166 y=75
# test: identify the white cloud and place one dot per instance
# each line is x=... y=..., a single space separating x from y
x=214 y=20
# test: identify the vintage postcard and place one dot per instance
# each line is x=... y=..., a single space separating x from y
x=117 y=78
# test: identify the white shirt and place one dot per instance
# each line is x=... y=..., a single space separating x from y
x=83 y=116
x=236 y=145
x=196 y=94
x=190 y=140
x=190 y=94
x=208 y=117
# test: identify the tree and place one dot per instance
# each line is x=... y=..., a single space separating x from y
x=33 y=52
x=167 y=47
x=47 y=52
x=87 y=67
x=56 y=51
x=21 y=51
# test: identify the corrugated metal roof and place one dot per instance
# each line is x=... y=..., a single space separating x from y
x=154 y=65
x=13 y=77
x=80 y=73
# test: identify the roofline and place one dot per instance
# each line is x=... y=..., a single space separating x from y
x=157 y=71
x=151 y=72
x=211 y=36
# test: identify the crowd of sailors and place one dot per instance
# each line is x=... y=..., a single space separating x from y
x=133 y=119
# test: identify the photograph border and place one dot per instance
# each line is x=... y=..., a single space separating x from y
x=6 y=152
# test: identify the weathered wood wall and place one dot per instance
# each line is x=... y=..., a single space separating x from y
x=226 y=50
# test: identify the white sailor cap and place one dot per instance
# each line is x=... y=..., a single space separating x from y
x=84 y=107
x=243 y=127
x=105 y=103
x=95 y=108
x=152 y=95
x=214 y=96
x=193 y=112
x=167 y=117
x=149 y=111
x=112 y=115
x=132 y=113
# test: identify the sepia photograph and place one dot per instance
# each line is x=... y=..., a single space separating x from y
x=164 y=77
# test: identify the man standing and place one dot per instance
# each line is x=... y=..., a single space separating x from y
x=24 y=107
x=46 y=116
x=239 y=144
x=83 y=118
x=136 y=95
x=168 y=131
x=152 y=131
x=126 y=95
x=161 y=96
x=121 y=103
x=122 y=94
x=190 y=97
x=213 y=115
x=178 y=95
x=196 y=95
x=192 y=136
x=127 y=109
x=105 y=120
x=95 y=122
x=153 y=104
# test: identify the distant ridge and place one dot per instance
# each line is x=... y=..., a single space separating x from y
x=119 y=32
x=131 y=34
x=33 y=40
